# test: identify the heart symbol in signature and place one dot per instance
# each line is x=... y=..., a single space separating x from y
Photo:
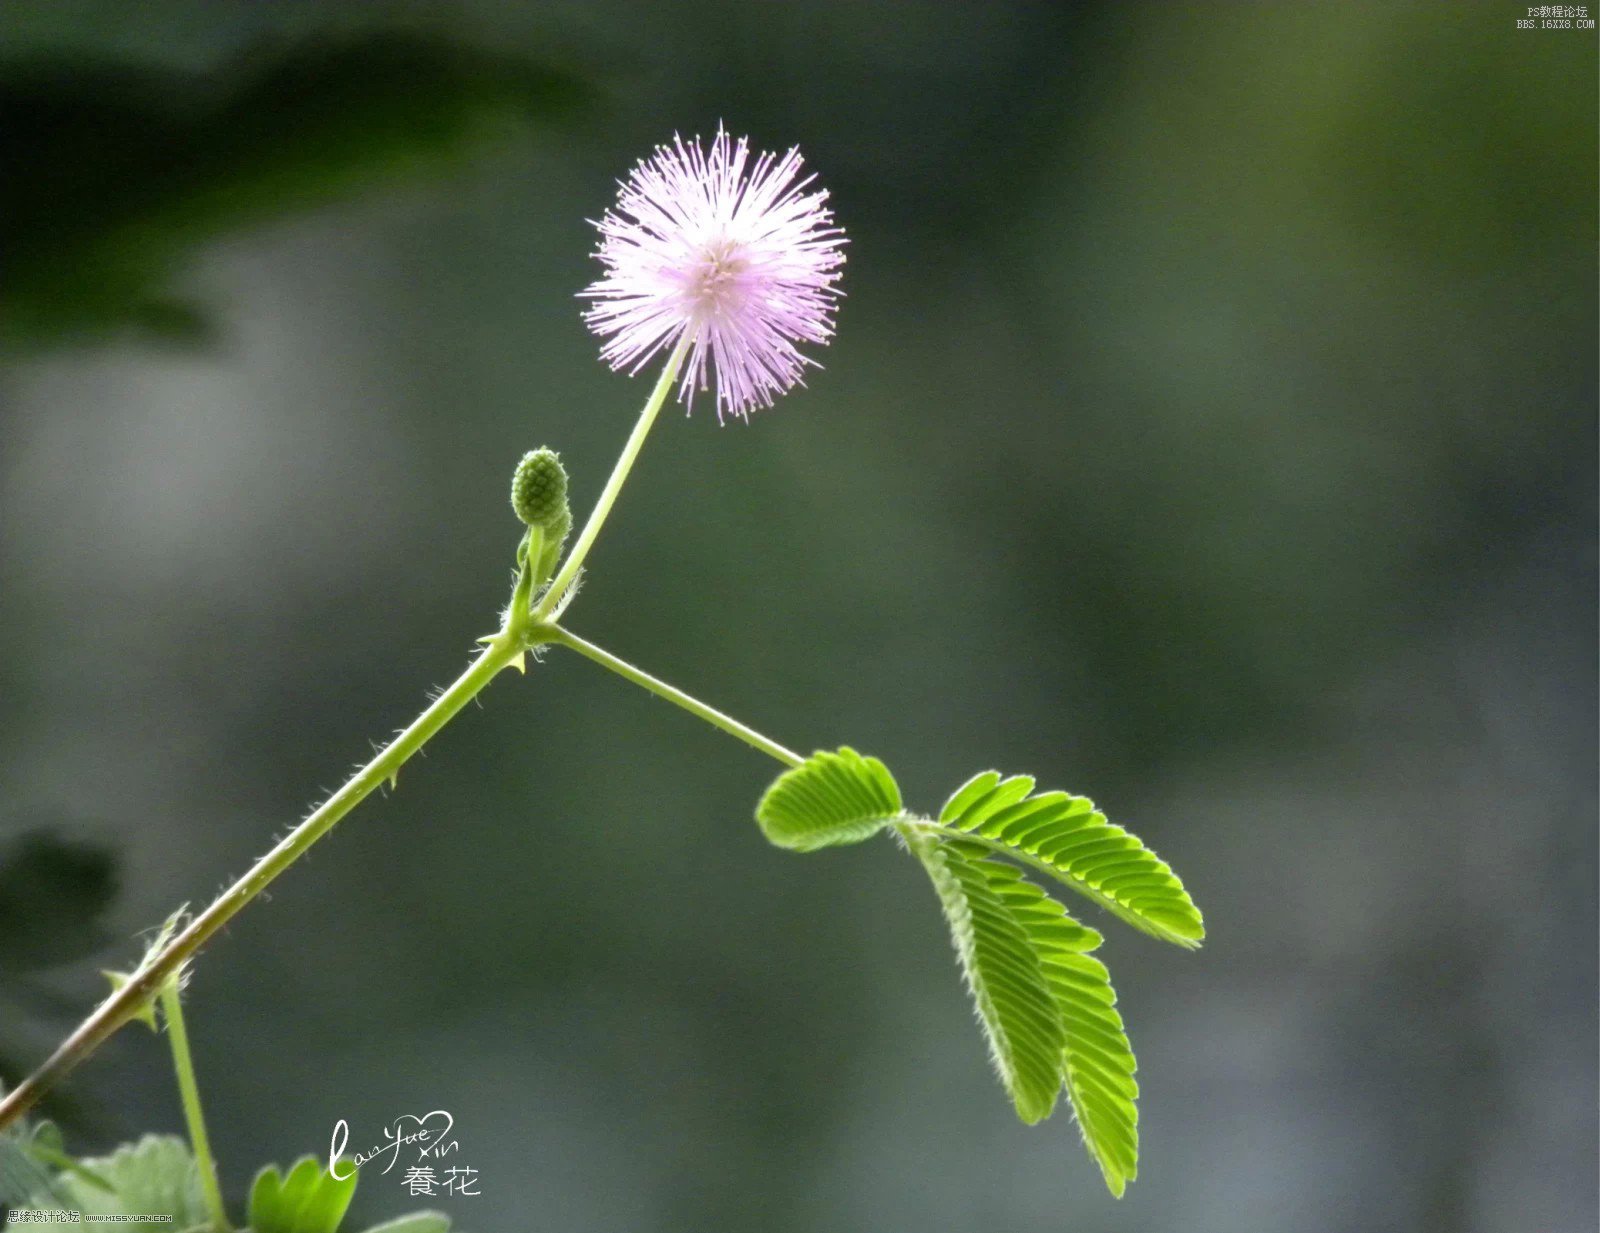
x=429 y=1133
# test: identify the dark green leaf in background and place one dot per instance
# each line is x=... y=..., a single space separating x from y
x=54 y=893
x=115 y=175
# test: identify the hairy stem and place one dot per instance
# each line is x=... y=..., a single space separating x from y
x=918 y=838
x=151 y=977
x=522 y=630
x=189 y=1090
x=608 y=495
x=714 y=717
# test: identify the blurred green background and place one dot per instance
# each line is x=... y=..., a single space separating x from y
x=1210 y=430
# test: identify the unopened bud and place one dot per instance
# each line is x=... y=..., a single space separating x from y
x=539 y=492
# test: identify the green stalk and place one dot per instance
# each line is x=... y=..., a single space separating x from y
x=68 y=1165
x=189 y=1090
x=550 y=603
x=674 y=695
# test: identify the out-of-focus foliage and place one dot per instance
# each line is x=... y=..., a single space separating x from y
x=116 y=173
x=54 y=894
x=157 y=1176
x=22 y=1176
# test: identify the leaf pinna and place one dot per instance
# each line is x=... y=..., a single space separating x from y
x=829 y=799
x=1046 y=1006
x=1067 y=838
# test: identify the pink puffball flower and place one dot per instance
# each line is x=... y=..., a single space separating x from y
x=734 y=255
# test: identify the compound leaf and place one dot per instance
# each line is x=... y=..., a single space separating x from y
x=1045 y=1004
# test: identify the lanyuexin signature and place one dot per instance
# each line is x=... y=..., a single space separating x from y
x=426 y=1133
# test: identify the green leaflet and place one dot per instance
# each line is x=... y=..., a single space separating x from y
x=1066 y=837
x=830 y=798
x=307 y=1199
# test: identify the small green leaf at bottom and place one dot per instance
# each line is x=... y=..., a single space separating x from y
x=416 y=1222
x=308 y=1199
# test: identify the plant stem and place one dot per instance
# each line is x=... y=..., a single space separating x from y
x=151 y=976
x=919 y=840
x=714 y=717
x=68 y=1165
x=619 y=474
x=189 y=1090
x=522 y=630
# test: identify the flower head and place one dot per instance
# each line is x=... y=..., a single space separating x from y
x=735 y=256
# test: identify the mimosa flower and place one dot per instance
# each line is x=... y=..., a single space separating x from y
x=735 y=255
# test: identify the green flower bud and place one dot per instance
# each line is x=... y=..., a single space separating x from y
x=539 y=492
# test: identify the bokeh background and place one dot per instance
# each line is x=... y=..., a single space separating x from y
x=1210 y=430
